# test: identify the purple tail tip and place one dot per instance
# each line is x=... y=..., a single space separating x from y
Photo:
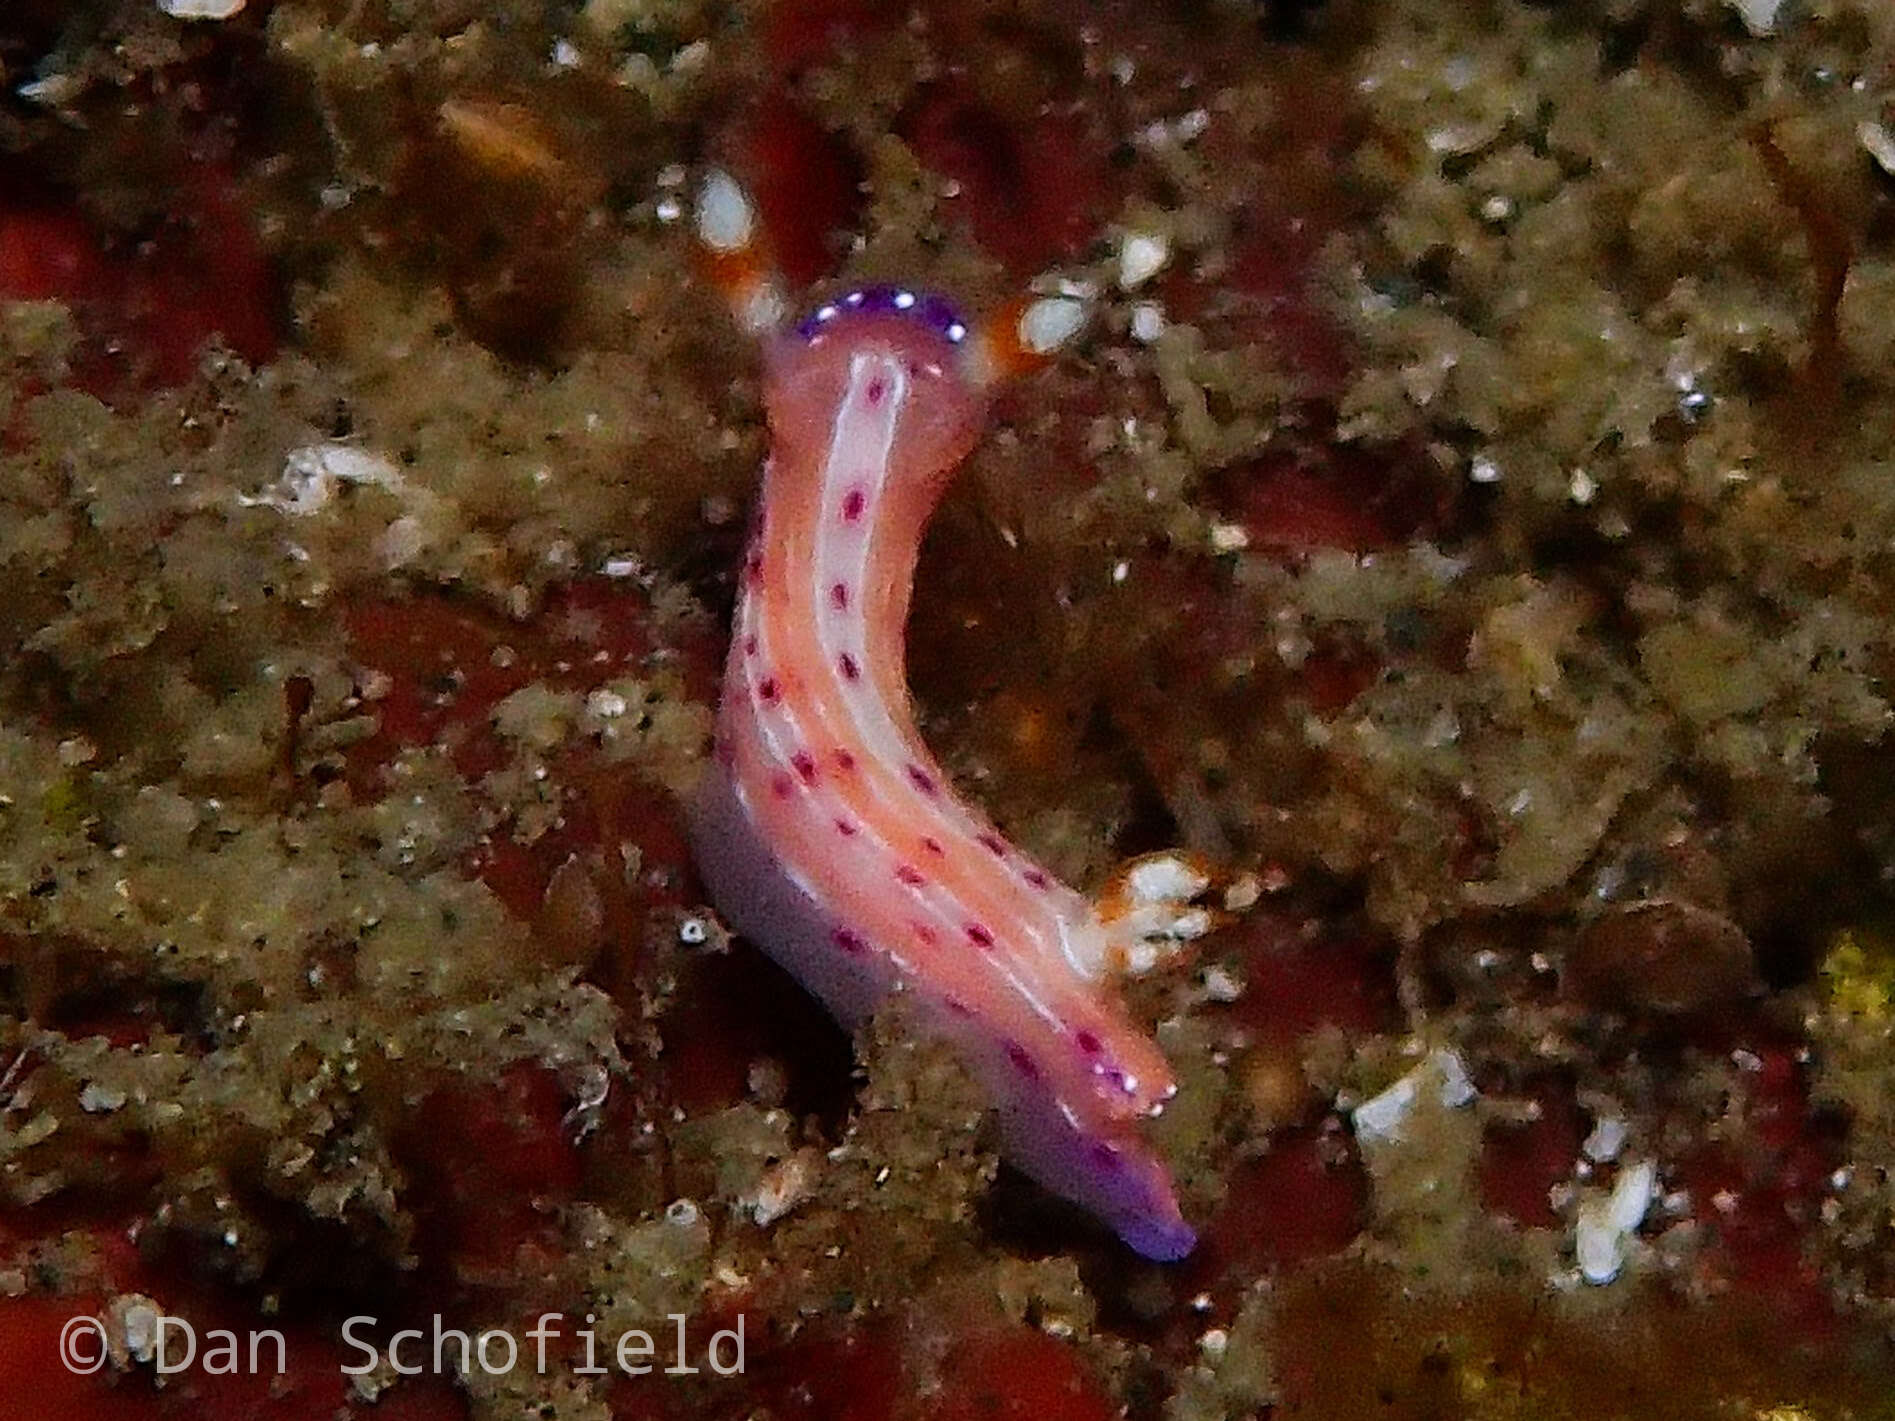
x=1161 y=1240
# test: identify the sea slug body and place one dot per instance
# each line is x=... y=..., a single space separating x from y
x=825 y=829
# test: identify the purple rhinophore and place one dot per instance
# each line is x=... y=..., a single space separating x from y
x=935 y=312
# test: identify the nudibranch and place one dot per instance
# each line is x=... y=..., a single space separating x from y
x=824 y=828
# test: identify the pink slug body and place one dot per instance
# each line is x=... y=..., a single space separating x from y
x=825 y=829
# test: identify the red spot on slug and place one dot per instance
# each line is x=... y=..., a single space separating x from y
x=926 y=934
x=909 y=875
x=768 y=690
x=750 y=645
x=845 y=828
x=933 y=845
x=994 y=845
x=839 y=596
x=1037 y=878
x=853 y=503
x=845 y=663
x=849 y=941
x=876 y=390
x=804 y=766
x=1088 y=1042
x=922 y=780
x=845 y=760
x=978 y=934
x=782 y=785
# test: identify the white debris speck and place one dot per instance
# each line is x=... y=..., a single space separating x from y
x=1602 y=1232
x=1229 y=537
x=53 y=89
x=1222 y=985
x=1148 y=322
x=1382 y=1116
x=311 y=474
x=565 y=54
x=784 y=1185
x=401 y=543
x=763 y=308
x=1049 y=323
x=131 y=1328
x=98 y=1098
x=606 y=704
x=1759 y=16
x=1160 y=878
x=1606 y=1140
x=1142 y=255
x=1879 y=142
x=725 y=218
x=682 y=1213
x=201 y=9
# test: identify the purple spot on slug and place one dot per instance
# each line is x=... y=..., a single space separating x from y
x=753 y=568
x=957 y=1007
x=845 y=828
x=726 y=754
x=844 y=760
x=839 y=596
x=1023 y=1063
x=782 y=785
x=1106 y=1156
x=1087 y=1042
x=994 y=845
x=933 y=845
x=876 y=390
x=769 y=690
x=853 y=502
x=922 y=780
x=845 y=663
x=804 y=766
x=750 y=645
x=849 y=941
x=1037 y=878
x=977 y=934
x=909 y=875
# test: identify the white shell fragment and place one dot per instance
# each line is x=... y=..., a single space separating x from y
x=1606 y=1140
x=1759 y=16
x=1148 y=322
x=1050 y=322
x=726 y=221
x=1879 y=142
x=1142 y=255
x=201 y=9
x=1603 y=1230
x=1157 y=878
x=1381 y=1117
x=311 y=474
